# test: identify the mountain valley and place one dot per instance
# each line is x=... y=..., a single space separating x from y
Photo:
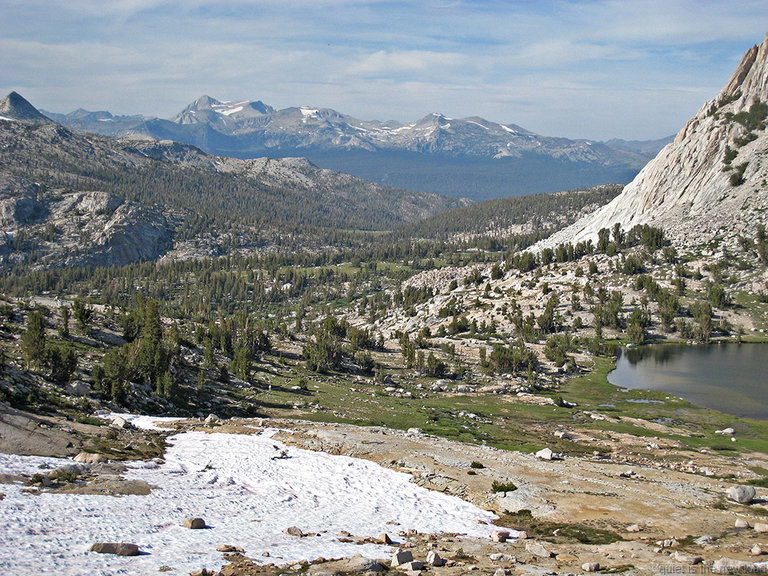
x=466 y=344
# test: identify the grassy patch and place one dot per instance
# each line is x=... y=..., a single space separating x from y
x=557 y=532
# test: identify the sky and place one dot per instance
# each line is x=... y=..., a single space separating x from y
x=598 y=69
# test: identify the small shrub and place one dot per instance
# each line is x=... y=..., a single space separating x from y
x=477 y=465
x=503 y=486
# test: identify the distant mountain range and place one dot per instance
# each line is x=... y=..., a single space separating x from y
x=71 y=199
x=467 y=157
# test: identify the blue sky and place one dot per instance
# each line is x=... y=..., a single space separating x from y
x=633 y=69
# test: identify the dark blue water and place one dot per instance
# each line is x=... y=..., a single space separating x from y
x=732 y=378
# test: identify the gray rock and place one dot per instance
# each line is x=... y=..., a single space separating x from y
x=545 y=454
x=500 y=535
x=728 y=565
x=741 y=494
x=538 y=550
x=118 y=548
x=590 y=566
x=741 y=523
x=294 y=531
x=194 y=523
x=119 y=423
x=634 y=528
x=401 y=557
x=756 y=550
x=355 y=565
x=89 y=458
x=433 y=559
x=212 y=419
x=761 y=527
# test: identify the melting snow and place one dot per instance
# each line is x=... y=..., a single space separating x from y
x=308 y=112
x=7 y=119
x=248 y=488
x=508 y=129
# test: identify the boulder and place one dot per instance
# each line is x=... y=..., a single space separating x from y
x=194 y=523
x=294 y=531
x=538 y=550
x=212 y=419
x=433 y=559
x=590 y=566
x=228 y=548
x=728 y=565
x=412 y=566
x=545 y=454
x=118 y=548
x=741 y=523
x=756 y=550
x=89 y=458
x=687 y=558
x=634 y=528
x=761 y=527
x=741 y=494
x=401 y=557
x=355 y=565
x=500 y=535
x=119 y=423
x=384 y=539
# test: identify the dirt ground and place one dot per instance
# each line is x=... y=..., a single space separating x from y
x=630 y=514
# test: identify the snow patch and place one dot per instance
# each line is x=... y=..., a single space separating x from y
x=7 y=119
x=478 y=124
x=508 y=129
x=248 y=488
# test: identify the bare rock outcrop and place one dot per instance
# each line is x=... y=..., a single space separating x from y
x=692 y=189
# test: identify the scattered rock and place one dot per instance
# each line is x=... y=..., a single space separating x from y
x=433 y=559
x=355 y=565
x=294 y=531
x=667 y=543
x=740 y=523
x=538 y=550
x=119 y=423
x=634 y=528
x=89 y=458
x=687 y=558
x=227 y=548
x=728 y=565
x=385 y=539
x=506 y=558
x=545 y=454
x=756 y=550
x=590 y=566
x=212 y=419
x=726 y=431
x=501 y=572
x=704 y=540
x=761 y=527
x=194 y=523
x=413 y=565
x=203 y=572
x=500 y=535
x=118 y=548
x=741 y=494
x=401 y=557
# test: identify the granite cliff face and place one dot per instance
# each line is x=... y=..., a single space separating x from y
x=711 y=180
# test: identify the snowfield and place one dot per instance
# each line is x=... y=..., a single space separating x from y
x=248 y=488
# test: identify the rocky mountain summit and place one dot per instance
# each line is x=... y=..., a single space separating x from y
x=15 y=107
x=463 y=157
x=711 y=180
